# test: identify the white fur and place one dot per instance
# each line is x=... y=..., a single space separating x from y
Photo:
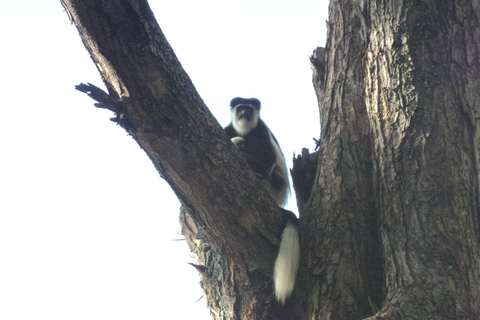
x=281 y=168
x=243 y=126
x=237 y=140
x=286 y=265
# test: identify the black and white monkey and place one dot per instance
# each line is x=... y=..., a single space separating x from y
x=262 y=151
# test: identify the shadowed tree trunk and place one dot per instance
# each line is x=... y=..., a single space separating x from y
x=389 y=212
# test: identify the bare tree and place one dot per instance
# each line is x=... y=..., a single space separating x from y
x=390 y=219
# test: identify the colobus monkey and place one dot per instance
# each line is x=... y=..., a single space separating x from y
x=262 y=151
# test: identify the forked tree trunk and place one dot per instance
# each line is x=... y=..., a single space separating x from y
x=391 y=226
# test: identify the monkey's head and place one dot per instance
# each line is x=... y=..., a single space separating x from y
x=245 y=114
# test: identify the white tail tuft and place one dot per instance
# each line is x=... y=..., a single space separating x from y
x=286 y=265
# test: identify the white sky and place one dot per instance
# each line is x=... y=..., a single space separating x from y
x=86 y=224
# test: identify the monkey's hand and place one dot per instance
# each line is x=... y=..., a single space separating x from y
x=239 y=142
x=256 y=164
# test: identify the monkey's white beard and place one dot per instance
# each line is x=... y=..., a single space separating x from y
x=243 y=126
x=286 y=265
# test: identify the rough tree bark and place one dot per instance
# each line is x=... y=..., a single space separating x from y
x=397 y=191
x=390 y=223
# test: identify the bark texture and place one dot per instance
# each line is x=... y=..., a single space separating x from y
x=390 y=213
x=397 y=192
x=228 y=219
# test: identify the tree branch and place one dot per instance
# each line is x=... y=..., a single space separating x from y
x=159 y=106
x=303 y=175
x=103 y=99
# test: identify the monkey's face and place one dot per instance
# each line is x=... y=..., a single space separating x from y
x=244 y=118
x=244 y=111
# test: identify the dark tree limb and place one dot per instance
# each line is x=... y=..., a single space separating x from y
x=303 y=176
x=318 y=61
x=235 y=220
x=105 y=101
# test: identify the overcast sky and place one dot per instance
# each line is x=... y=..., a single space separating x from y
x=87 y=226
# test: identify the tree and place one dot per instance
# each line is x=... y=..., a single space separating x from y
x=390 y=221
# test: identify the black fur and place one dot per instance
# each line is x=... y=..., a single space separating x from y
x=252 y=101
x=259 y=152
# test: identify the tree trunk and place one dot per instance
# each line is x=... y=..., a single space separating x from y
x=397 y=193
x=390 y=223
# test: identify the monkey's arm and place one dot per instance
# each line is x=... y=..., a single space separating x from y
x=257 y=166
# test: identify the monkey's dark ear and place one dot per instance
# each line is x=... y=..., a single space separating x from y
x=254 y=102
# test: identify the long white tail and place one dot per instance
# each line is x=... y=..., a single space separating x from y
x=286 y=265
